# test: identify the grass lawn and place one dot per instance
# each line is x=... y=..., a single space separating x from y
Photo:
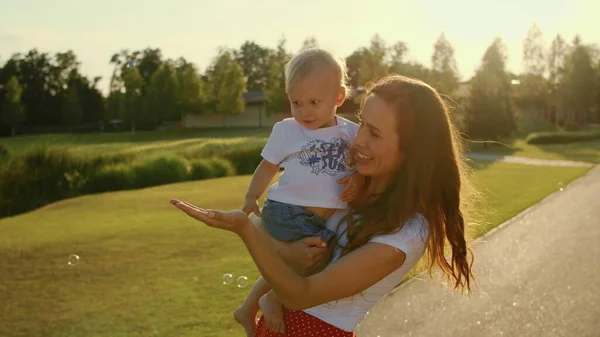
x=145 y=142
x=178 y=141
x=582 y=151
x=148 y=270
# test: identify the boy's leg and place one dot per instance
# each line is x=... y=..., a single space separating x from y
x=246 y=313
x=272 y=308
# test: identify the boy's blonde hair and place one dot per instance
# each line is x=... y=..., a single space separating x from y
x=313 y=59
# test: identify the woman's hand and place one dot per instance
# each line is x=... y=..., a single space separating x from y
x=233 y=221
x=354 y=186
x=309 y=252
x=303 y=254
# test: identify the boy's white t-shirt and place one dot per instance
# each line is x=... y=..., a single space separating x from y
x=346 y=313
x=313 y=161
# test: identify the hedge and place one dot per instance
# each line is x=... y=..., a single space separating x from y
x=562 y=137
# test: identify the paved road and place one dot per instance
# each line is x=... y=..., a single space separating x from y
x=527 y=160
x=538 y=275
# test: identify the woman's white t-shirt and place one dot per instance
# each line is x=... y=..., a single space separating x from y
x=346 y=313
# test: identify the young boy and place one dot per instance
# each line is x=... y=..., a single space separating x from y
x=313 y=148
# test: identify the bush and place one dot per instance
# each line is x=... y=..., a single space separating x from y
x=47 y=174
x=244 y=160
x=4 y=152
x=222 y=167
x=111 y=178
x=40 y=176
x=562 y=137
x=201 y=169
x=528 y=125
x=159 y=171
x=245 y=156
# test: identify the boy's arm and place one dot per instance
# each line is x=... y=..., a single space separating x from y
x=261 y=179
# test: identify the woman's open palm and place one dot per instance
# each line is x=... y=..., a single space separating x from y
x=234 y=221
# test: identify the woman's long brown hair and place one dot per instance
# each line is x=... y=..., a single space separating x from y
x=428 y=181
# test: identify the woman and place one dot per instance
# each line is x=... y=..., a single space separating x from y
x=409 y=151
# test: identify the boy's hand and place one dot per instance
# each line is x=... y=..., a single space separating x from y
x=354 y=185
x=251 y=206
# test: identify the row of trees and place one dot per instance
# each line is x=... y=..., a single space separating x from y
x=560 y=83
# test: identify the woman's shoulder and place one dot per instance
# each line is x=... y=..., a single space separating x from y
x=412 y=236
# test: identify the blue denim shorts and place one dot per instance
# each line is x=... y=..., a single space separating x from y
x=286 y=222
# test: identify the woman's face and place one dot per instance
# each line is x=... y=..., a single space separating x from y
x=377 y=142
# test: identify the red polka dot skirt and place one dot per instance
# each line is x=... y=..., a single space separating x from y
x=301 y=324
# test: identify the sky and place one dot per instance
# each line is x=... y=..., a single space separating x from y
x=194 y=29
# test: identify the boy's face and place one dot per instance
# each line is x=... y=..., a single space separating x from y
x=315 y=98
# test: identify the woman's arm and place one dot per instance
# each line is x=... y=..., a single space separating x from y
x=348 y=276
x=302 y=254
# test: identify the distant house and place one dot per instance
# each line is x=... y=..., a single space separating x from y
x=463 y=91
x=255 y=114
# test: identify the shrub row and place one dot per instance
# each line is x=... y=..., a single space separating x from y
x=562 y=137
x=154 y=172
x=44 y=175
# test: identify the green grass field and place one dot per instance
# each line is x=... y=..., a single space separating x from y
x=148 y=270
x=583 y=151
x=179 y=141
x=143 y=142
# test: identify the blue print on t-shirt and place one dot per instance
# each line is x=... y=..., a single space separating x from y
x=330 y=157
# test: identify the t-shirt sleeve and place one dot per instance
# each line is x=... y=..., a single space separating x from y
x=353 y=130
x=275 y=149
x=412 y=238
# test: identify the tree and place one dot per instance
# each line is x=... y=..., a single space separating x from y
x=117 y=60
x=556 y=60
x=92 y=100
x=444 y=73
x=226 y=84
x=580 y=83
x=192 y=95
x=309 y=42
x=254 y=61
x=353 y=67
x=373 y=61
x=163 y=98
x=149 y=61
x=41 y=93
x=488 y=112
x=397 y=53
x=596 y=119
x=532 y=92
x=413 y=69
x=13 y=114
x=115 y=106
x=133 y=82
x=275 y=94
x=556 y=70
x=534 y=61
x=71 y=108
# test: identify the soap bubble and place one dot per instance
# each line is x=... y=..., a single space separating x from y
x=73 y=260
x=227 y=279
x=242 y=281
